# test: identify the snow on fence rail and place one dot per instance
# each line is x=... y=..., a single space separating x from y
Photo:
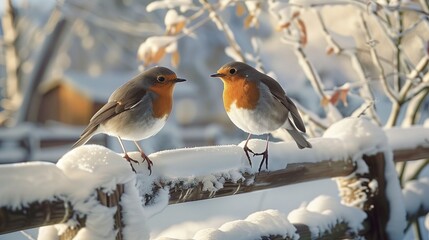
x=92 y=194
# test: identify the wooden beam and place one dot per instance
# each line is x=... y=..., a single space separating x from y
x=418 y=153
x=294 y=173
x=33 y=215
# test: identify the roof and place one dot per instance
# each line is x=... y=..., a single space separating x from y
x=99 y=88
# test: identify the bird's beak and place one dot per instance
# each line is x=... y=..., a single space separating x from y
x=217 y=75
x=179 y=80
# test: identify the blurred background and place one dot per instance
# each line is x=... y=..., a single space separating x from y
x=61 y=60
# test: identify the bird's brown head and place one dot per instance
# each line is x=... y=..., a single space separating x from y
x=234 y=71
x=161 y=80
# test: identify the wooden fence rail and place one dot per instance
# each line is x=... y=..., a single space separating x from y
x=292 y=174
x=60 y=210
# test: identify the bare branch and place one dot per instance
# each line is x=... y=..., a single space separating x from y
x=375 y=59
x=228 y=33
x=365 y=91
x=331 y=42
x=421 y=65
x=310 y=71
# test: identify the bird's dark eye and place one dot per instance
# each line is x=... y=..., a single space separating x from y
x=232 y=71
x=160 y=79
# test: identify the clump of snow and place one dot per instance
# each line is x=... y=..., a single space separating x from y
x=263 y=223
x=153 y=45
x=360 y=137
x=416 y=195
x=133 y=214
x=408 y=138
x=33 y=181
x=92 y=167
x=163 y=4
x=48 y=232
x=324 y=212
x=171 y=17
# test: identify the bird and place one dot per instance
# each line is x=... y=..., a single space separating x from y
x=257 y=104
x=136 y=110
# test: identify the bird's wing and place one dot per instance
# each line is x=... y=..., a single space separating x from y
x=279 y=94
x=119 y=102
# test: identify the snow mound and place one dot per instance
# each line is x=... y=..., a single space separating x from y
x=92 y=167
x=263 y=223
x=324 y=212
x=358 y=136
x=28 y=179
x=416 y=195
x=361 y=137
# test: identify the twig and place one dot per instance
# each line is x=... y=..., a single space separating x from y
x=331 y=42
x=402 y=172
x=412 y=108
x=418 y=230
x=228 y=33
x=398 y=41
x=413 y=75
x=28 y=236
x=365 y=91
x=310 y=71
x=417 y=172
x=377 y=63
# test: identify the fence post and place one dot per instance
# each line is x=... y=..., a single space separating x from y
x=368 y=192
x=106 y=199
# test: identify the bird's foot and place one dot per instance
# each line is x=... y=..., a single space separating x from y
x=149 y=162
x=264 y=159
x=129 y=159
x=247 y=150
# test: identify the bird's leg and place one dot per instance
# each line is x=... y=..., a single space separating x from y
x=145 y=158
x=128 y=158
x=264 y=155
x=247 y=150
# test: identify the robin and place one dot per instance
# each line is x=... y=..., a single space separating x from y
x=136 y=110
x=257 y=104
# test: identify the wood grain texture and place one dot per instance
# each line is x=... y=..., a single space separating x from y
x=294 y=173
x=33 y=215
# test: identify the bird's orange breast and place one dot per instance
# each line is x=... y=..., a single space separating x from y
x=163 y=103
x=243 y=93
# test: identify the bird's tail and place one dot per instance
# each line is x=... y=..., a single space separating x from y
x=86 y=135
x=299 y=138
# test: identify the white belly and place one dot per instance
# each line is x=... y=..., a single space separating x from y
x=256 y=122
x=138 y=129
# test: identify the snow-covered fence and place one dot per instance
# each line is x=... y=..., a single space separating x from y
x=92 y=194
x=88 y=194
